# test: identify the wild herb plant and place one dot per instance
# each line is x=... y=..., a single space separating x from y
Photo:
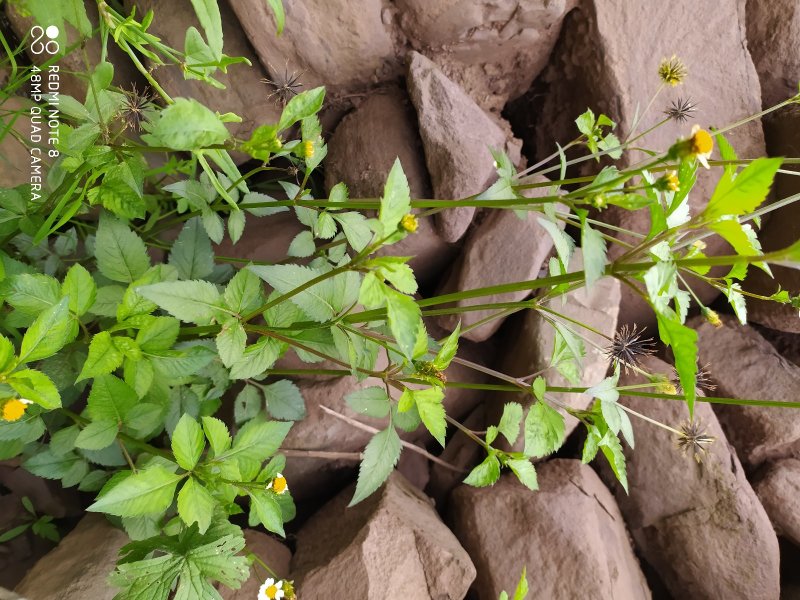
x=114 y=366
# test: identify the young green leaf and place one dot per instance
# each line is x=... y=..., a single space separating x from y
x=683 y=341
x=301 y=106
x=594 y=252
x=526 y=473
x=448 y=350
x=744 y=193
x=267 y=511
x=196 y=504
x=486 y=473
x=431 y=411
x=36 y=386
x=612 y=449
x=380 y=457
x=544 y=430
x=49 y=333
x=207 y=12
x=284 y=401
x=243 y=293
x=371 y=401
x=187 y=442
x=404 y=317
x=81 y=289
x=510 y=421
x=186 y=125
x=103 y=357
x=110 y=399
x=396 y=200
x=97 y=435
x=217 y=435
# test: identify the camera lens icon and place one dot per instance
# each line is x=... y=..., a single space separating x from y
x=51 y=32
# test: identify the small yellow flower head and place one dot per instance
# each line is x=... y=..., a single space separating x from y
x=672 y=71
x=308 y=149
x=666 y=387
x=278 y=484
x=699 y=244
x=673 y=185
x=271 y=590
x=711 y=316
x=288 y=587
x=14 y=408
x=599 y=201
x=701 y=145
x=409 y=223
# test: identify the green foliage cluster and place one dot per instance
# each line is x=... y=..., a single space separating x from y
x=126 y=360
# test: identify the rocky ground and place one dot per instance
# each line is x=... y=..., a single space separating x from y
x=436 y=82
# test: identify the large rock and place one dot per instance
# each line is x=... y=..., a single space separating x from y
x=361 y=153
x=530 y=345
x=745 y=365
x=15 y=156
x=457 y=135
x=343 y=45
x=79 y=566
x=773 y=35
x=503 y=248
x=272 y=552
x=244 y=93
x=592 y=67
x=391 y=546
x=699 y=525
x=570 y=536
x=778 y=489
x=492 y=49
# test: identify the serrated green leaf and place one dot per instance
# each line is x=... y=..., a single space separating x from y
x=284 y=401
x=486 y=473
x=243 y=293
x=744 y=193
x=187 y=442
x=380 y=457
x=431 y=411
x=404 y=317
x=50 y=332
x=612 y=450
x=371 y=401
x=159 y=333
x=121 y=255
x=302 y=245
x=525 y=472
x=97 y=435
x=186 y=125
x=267 y=511
x=301 y=106
x=231 y=341
x=36 y=386
x=30 y=293
x=257 y=358
x=355 y=227
x=196 y=504
x=81 y=289
x=217 y=434
x=683 y=341
x=103 y=357
x=110 y=399
x=149 y=491
x=544 y=430
x=448 y=350
x=248 y=404
x=594 y=253
x=190 y=301
x=191 y=252
x=396 y=200
x=510 y=421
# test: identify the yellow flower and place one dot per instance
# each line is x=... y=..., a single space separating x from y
x=699 y=244
x=701 y=145
x=672 y=71
x=14 y=408
x=673 y=185
x=711 y=316
x=308 y=149
x=666 y=387
x=271 y=590
x=409 y=223
x=278 y=484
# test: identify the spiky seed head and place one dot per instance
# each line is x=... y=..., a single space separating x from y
x=694 y=440
x=628 y=346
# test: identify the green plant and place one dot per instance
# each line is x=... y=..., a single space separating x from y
x=113 y=367
x=41 y=525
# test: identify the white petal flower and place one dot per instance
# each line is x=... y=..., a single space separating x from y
x=271 y=590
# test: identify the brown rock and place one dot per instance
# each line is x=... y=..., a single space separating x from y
x=79 y=566
x=244 y=93
x=699 y=525
x=345 y=46
x=593 y=67
x=773 y=37
x=457 y=135
x=9 y=595
x=745 y=365
x=366 y=143
x=361 y=153
x=778 y=491
x=570 y=536
x=530 y=348
x=15 y=157
x=493 y=50
x=391 y=546
x=503 y=248
x=272 y=552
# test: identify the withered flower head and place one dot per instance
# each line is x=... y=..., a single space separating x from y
x=629 y=346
